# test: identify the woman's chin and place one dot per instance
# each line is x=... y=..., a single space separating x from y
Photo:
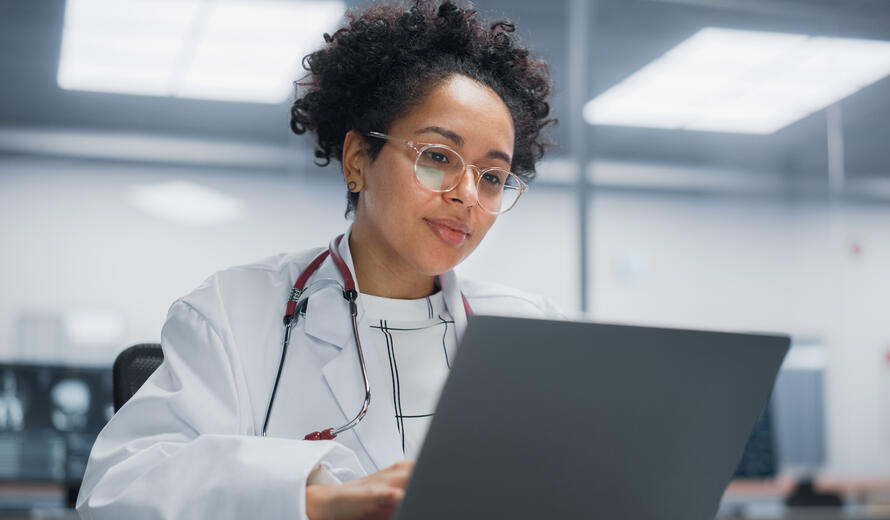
x=441 y=260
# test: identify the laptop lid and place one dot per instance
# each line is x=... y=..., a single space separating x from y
x=554 y=419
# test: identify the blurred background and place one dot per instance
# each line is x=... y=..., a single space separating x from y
x=719 y=164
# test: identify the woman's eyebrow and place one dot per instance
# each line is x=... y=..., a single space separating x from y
x=459 y=141
x=497 y=154
x=444 y=132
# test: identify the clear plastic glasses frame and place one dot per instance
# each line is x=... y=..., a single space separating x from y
x=440 y=168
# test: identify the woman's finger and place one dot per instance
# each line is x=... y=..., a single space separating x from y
x=396 y=475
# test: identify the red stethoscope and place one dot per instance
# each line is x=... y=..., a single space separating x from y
x=295 y=305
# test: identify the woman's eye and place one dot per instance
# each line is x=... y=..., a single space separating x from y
x=491 y=178
x=437 y=157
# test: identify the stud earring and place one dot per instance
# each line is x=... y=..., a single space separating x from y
x=352 y=186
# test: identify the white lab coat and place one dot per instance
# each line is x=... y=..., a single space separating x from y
x=188 y=444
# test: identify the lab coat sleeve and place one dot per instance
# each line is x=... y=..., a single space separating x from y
x=551 y=310
x=500 y=300
x=182 y=446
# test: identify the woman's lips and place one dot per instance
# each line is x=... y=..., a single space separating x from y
x=450 y=232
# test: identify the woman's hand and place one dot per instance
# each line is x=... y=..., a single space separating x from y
x=373 y=497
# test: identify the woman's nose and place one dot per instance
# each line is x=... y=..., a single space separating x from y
x=465 y=192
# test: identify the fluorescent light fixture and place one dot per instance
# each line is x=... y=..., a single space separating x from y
x=752 y=82
x=186 y=202
x=230 y=50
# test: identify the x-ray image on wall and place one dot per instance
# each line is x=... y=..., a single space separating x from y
x=49 y=419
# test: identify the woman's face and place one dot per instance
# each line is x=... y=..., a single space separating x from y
x=418 y=230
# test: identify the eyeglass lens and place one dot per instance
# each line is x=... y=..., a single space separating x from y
x=441 y=169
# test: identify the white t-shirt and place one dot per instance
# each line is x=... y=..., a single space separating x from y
x=412 y=338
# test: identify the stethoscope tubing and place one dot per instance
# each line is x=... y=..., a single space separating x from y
x=361 y=360
x=296 y=304
x=277 y=379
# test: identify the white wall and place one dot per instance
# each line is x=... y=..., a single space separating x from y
x=534 y=247
x=70 y=240
x=729 y=263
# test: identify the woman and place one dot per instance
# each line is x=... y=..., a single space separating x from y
x=428 y=111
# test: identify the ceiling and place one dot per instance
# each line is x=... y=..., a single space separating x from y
x=623 y=36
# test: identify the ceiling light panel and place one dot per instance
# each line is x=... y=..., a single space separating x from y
x=224 y=50
x=126 y=47
x=252 y=50
x=753 y=82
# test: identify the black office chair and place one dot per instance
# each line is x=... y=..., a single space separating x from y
x=131 y=368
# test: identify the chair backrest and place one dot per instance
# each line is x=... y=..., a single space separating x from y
x=132 y=367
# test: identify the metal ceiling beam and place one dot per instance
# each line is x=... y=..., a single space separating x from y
x=873 y=13
x=579 y=23
x=146 y=148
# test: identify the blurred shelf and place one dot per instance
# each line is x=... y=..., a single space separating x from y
x=864 y=499
x=782 y=486
x=26 y=496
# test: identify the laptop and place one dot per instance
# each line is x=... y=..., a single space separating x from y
x=548 y=419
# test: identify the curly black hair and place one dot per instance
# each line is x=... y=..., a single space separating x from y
x=385 y=60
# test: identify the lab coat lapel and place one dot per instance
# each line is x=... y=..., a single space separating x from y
x=377 y=431
x=327 y=313
x=328 y=319
x=455 y=304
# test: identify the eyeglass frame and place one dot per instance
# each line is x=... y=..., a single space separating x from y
x=420 y=147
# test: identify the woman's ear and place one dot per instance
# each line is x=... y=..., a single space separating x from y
x=354 y=161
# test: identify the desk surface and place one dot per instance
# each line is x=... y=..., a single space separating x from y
x=809 y=514
x=760 y=499
x=783 y=486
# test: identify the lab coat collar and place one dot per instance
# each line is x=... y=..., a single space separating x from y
x=327 y=319
x=327 y=312
x=331 y=312
x=454 y=302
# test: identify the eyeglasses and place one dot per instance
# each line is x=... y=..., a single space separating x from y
x=440 y=169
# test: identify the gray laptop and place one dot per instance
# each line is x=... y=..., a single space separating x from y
x=546 y=419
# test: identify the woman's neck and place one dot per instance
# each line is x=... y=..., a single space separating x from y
x=379 y=271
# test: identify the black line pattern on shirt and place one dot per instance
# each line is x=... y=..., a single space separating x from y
x=445 y=333
x=429 y=307
x=378 y=327
x=417 y=416
x=397 y=390
x=392 y=373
